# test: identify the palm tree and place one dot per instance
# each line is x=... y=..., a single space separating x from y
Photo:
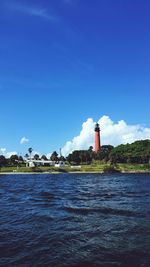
x=26 y=156
x=30 y=151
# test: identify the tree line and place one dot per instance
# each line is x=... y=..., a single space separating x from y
x=137 y=152
x=16 y=160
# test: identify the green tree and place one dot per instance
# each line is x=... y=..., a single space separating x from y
x=69 y=158
x=137 y=152
x=90 y=149
x=3 y=161
x=44 y=157
x=62 y=158
x=20 y=158
x=91 y=153
x=54 y=156
x=79 y=157
x=36 y=157
x=14 y=160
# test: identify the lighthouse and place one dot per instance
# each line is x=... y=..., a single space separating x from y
x=97 y=138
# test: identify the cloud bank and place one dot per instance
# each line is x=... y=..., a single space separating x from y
x=113 y=133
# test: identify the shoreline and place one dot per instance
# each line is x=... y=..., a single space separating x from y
x=75 y=172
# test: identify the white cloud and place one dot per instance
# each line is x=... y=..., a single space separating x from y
x=4 y=152
x=31 y=10
x=83 y=140
x=9 y=154
x=48 y=155
x=111 y=133
x=24 y=140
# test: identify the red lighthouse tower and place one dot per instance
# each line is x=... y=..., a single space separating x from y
x=97 y=138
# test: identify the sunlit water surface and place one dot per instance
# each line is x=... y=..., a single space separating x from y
x=75 y=220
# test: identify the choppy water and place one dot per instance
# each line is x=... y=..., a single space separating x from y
x=75 y=220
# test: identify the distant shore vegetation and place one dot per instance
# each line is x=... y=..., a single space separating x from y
x=137 y=152
x=128 y=157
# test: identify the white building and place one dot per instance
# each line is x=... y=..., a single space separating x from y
x=33 y=163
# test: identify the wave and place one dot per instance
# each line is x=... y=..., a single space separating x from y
x=103 y=210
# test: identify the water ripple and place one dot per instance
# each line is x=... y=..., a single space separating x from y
x=75 y=220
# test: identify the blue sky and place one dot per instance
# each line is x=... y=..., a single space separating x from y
x=64 y=61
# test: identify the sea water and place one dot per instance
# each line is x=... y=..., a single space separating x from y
x=75 y=220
